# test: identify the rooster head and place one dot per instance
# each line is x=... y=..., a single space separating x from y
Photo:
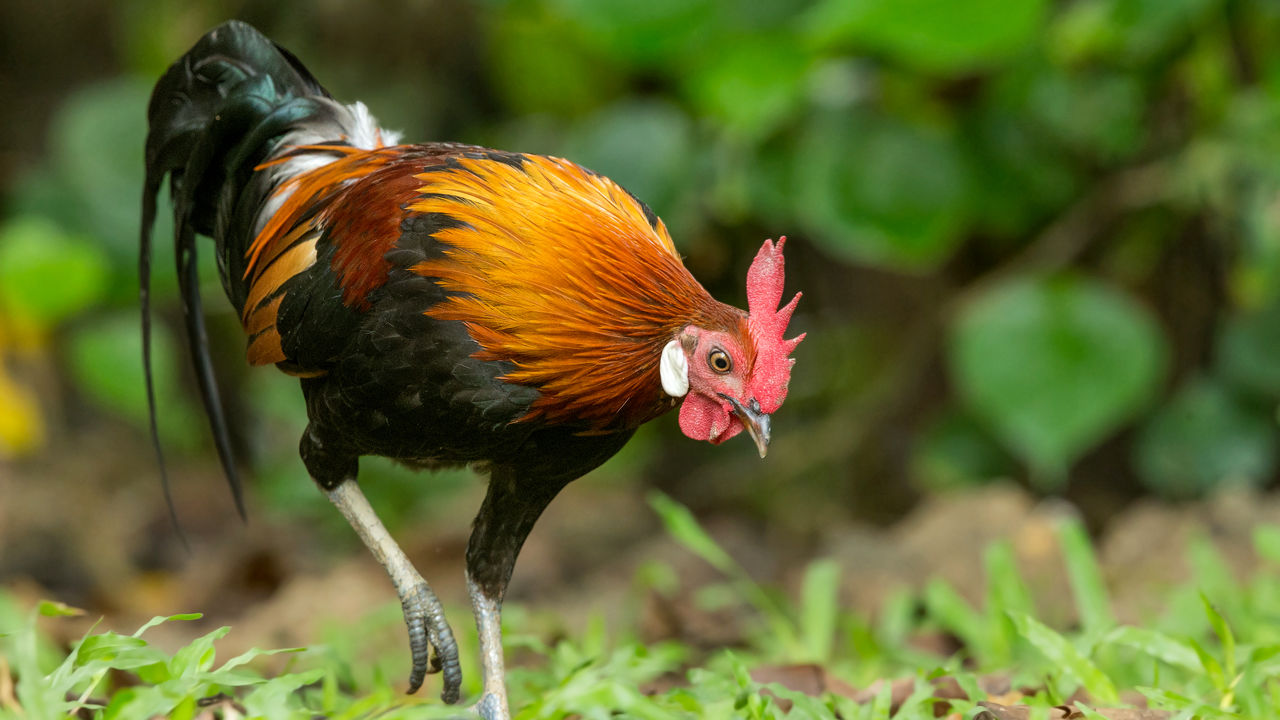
x=732 y=380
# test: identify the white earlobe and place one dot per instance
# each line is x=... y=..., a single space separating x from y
x=674 y=370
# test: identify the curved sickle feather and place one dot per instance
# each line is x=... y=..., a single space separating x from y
x=144 y=300
x=184 y=237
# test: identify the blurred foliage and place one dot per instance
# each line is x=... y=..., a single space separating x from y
x=1075 y=204
x=1212 y=651
x=1102 y=353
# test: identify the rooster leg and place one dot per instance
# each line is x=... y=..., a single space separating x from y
x=430 y=638
x=509 y=511
x=488 y=611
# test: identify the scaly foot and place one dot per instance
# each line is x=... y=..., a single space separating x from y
x=491 y=707
x=431 y=642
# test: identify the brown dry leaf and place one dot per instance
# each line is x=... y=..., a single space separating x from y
x=996 y=711
x=899 y=691
x=1012 y=697
x=815 y=680
x=809 y=679
x=944 y=688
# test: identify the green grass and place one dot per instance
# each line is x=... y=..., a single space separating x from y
x=1214 y=652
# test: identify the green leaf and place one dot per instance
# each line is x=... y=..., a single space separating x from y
x=881 y=191
x=1062 y=654
x=934 y=35
x=51 y=608
x=160 y=619
x=106 y=361
x=644 y=145
x=251 y=654
x=106 y=646
x=1205 y=438
x=1157 y=645
x=1128 y=31
x=1024 y=177
x=97 y=143
x=1054 y=364
x=197 y=657
x=1185 y=705
x=1087 y=585
x=954 y=451
x=542 y=65
x=643 y=32
x=752 y=84
x=47 y=275
x=145 y=702
x=279 y=696
x=1247 y=350
x=1094 y=113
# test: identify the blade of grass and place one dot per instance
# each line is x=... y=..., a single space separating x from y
x=1087 y=586
x=1212 y=576
x=1225 y=636
x=954 y=614
x=897 y=618
x=163 y=619
x=682 y=526
x=1157 y=645
x=1062 y=654
x=1212 y=667
x=819 y=608
x=1006 y=592
x=1228 y=641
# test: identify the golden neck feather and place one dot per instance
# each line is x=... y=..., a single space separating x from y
x=565 y=275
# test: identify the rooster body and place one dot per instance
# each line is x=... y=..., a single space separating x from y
x=443 y=304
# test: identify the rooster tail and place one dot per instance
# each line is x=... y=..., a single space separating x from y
x=233 y=102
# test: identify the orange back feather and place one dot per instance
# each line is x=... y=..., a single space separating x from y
x=286 y=244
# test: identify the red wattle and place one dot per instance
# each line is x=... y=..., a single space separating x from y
x=704 y=418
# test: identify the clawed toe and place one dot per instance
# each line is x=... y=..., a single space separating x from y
x=431 y=643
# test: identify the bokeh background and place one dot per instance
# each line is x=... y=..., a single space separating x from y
x=1039 y=243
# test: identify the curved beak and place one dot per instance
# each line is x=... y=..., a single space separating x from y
x=756 y=422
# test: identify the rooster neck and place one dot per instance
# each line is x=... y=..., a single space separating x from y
x=566 y=277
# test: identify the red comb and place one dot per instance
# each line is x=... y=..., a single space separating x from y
x=772 y=372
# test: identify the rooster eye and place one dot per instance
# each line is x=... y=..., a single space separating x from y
x=719 y=361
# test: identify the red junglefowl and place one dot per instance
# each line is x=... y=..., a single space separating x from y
x=442 y=304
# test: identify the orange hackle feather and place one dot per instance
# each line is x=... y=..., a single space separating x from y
x=562 y=273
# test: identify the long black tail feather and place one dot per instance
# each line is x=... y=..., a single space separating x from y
x=144 y=300
x=198 y=343
x=213 y=118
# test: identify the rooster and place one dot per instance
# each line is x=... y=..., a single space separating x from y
x=441 y=304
